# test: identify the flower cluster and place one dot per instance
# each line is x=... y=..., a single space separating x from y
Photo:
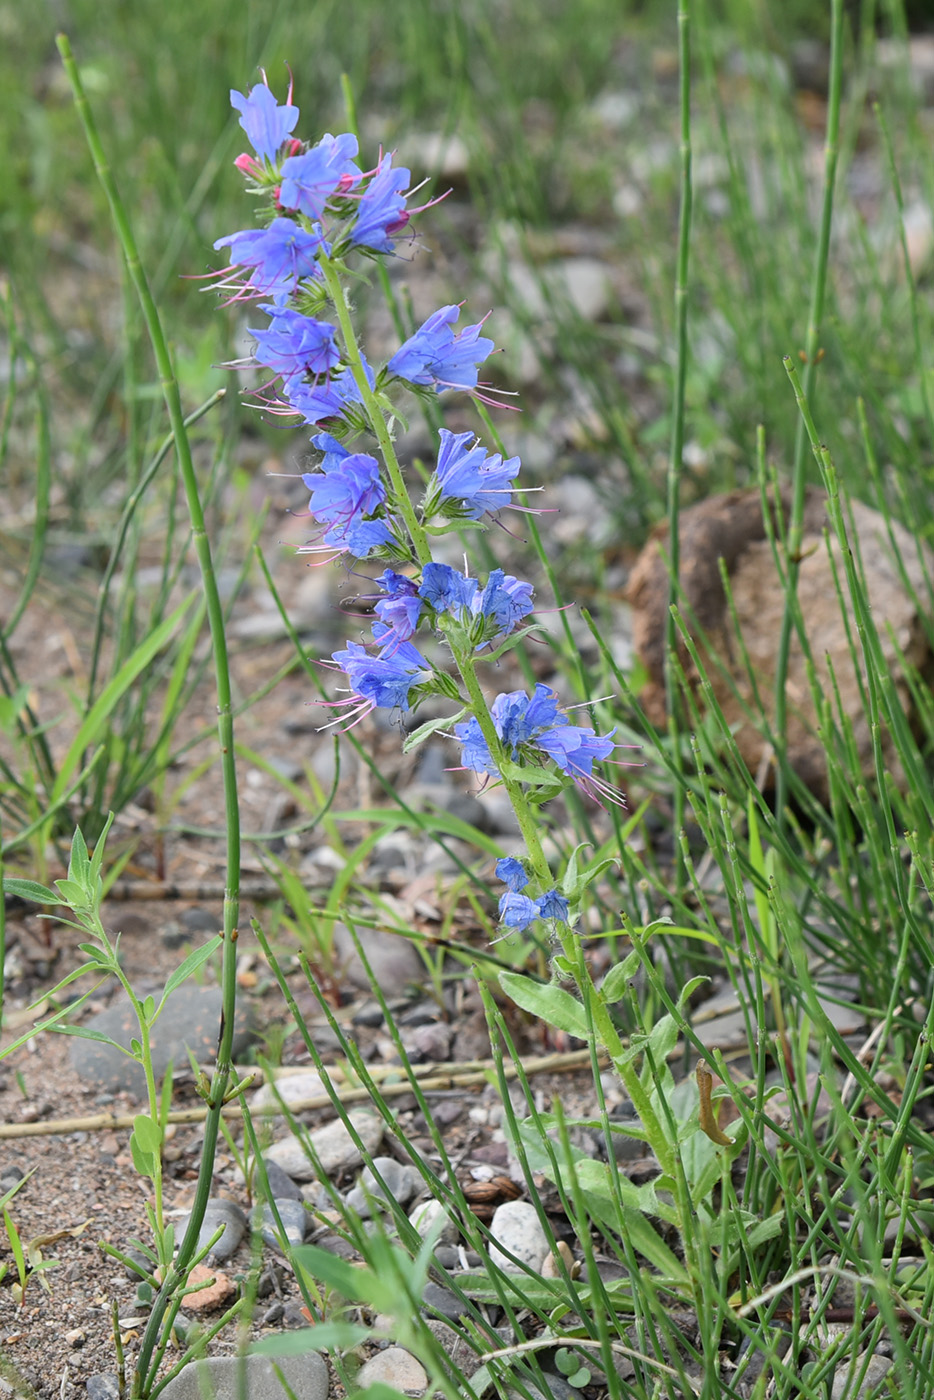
x=535 y=730
x=517 y=910
x=320 y=206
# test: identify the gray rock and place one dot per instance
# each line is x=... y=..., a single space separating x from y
x=877 y=1367
x=305 y=1375
x=197 y=919
x=396 y=1367
x=219 y=1212
x=290 y=1088
x=189 y=1021
x=174 y=935
x=138 y=1257
x=332 y=1143
x=294 y=1219
x=103 y=1386
x=395 y=962
x=441 y=1300
x=281 y=1185
x=401 y=1180
x=516 y=1227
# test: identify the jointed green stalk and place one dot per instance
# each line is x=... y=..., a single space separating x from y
x=676 y=448
x=144 y=1375
x=811 y=348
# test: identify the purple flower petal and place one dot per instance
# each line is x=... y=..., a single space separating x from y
x=310 y=179
x=266 y=123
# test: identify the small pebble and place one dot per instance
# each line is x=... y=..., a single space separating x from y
x=516 y=1227
x=394 y=1367
x=103 y=1386
x=290 y=1088
x=76 y=1338
x=216 y=1289
x=401 y=1183
x=877 y=1367
x=425 y=1216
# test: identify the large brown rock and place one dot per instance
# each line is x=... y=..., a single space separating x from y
x=731 y=527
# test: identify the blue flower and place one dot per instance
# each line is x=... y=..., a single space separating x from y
x=309 y=180
x=574 y=749
x=333 y=451
x=401 y=608
x=553 y=906
x=330 y=398
x=359 y=537
x=517 y=910
x=295 y=345
x=534 y=727
x=266 y=124
x=351 y=489
x=280 y=255
x=381 y=211
x=490 y=612
x=504 y=602
x=436 y=356
x=512 y=873
x=446 y=590
x=466 y=475
x=384 y=680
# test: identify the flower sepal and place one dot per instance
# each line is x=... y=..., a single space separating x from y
x=444 y=684
x=431 y=726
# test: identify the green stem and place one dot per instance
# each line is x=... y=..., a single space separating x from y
x=145 y=1369
x=373 y=412
x=811 y=347
x=676 y=449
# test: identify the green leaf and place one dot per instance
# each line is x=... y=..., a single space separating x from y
x=191 y=965
x=72 y=894
x=30 y=889
x=144 y=1162
x=326 y=1336
x=574 y=884
x=354 y=1284
x=618 y=978
x=512 y=641
x=147 y=1133
x=97 y=859
x=424 y=731
x=79 y=866
x=550 y=1003
x=533 y=777
x=83 y=1033
x=99 y=714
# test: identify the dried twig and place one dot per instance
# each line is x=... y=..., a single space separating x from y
x=430 y=1077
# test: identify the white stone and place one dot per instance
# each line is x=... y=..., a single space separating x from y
x=333 y=1144
x=516 y=1227
x=425 y=1217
